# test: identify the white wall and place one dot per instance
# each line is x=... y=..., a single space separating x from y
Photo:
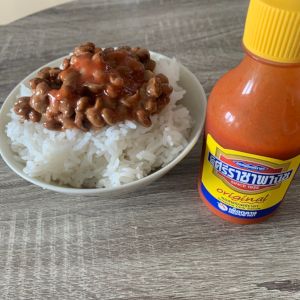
x=11 y=10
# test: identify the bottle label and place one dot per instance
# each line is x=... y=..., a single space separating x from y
x=244 y=185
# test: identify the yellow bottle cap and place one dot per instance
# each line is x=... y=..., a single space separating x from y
x=272 y=30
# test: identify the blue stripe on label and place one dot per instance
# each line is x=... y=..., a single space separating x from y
x=234 y=212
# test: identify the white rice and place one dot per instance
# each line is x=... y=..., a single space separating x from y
x=110 y=157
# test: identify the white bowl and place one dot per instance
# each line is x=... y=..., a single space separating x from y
x=194 y=100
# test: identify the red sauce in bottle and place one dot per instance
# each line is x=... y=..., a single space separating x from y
x=253 y=125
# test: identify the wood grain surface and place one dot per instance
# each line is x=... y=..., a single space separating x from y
x=160 y=243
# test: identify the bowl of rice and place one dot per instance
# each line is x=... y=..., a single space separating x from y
x=116 y=159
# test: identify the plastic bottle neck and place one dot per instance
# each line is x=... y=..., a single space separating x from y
x=255 y=58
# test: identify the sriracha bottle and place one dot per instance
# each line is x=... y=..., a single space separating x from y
x=252 y=131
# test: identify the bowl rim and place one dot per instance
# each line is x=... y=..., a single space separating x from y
x=90 y=191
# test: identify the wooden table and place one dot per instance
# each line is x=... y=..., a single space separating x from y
x=160 y=243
